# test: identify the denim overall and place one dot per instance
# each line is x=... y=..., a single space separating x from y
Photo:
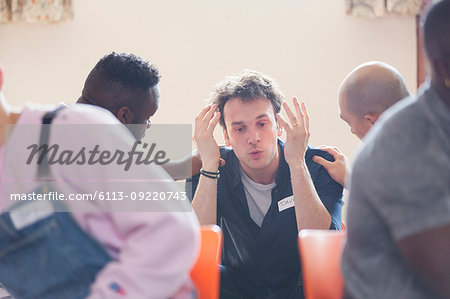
x=52 y=258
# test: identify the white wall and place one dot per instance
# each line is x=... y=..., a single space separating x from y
x=307 y=45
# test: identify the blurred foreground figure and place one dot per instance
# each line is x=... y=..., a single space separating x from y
x=94 y=252
x=399 y=207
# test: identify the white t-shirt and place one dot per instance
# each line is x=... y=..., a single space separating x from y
x=259 y=197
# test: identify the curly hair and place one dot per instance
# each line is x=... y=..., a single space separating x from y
x=119 y=71
x=247 y=86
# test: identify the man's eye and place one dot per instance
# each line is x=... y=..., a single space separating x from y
x=239 y=129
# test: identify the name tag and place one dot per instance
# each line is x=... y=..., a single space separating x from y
x=286 y=203
x=28 y=213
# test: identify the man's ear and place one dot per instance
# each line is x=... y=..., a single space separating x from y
x=279 y=129
x=225 y=136
x=371 y=117
x=125 y=115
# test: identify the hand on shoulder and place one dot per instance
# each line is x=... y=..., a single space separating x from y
x=339 y=169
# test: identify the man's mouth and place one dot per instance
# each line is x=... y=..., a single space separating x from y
x=255 y=153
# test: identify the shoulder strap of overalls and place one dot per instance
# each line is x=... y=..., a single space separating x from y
x=43 y=171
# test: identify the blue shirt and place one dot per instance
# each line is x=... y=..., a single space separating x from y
x=263 y=262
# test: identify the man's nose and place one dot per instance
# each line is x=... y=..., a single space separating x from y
x=253 y=137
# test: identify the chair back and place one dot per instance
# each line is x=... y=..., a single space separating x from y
x=206 y=272
x=320 y=253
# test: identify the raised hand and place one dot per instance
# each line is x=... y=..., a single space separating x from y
x=297 y=132
x=205 y=123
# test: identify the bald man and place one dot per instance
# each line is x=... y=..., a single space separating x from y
x=398 y=241
x=369 y=90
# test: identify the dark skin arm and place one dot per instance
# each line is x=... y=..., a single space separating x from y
x=178 y=170
x=428 y=254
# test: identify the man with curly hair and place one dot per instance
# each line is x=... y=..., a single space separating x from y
x=267 y=191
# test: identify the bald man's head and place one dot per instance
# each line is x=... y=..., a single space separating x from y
x=367 y=92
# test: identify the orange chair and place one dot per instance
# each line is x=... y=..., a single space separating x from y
x=206 y=272
x=320 y=253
